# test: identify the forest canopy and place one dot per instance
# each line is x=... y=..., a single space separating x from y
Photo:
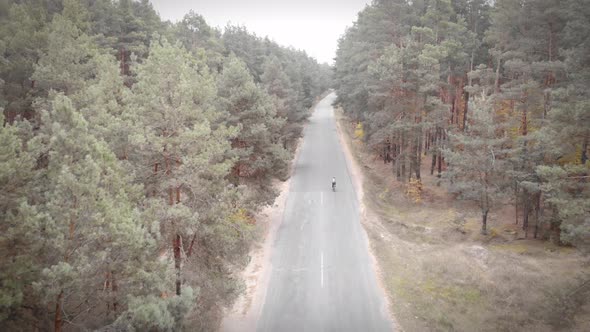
x=494 y=93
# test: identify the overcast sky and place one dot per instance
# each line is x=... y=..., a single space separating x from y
x=310 y=25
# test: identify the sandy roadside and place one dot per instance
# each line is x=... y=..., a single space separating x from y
x=244 y=314
x=248 y=307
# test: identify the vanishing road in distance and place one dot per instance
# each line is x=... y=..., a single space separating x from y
x=322 y=278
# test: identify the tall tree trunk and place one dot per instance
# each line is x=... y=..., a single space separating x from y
x=122 y=62
x=524 y=121
x=396 y=163
x=399 y=162
x=107 y=288
x=58 y=322
x=404 y=156
x=453 y=110
x=550 y=41
x=546 y=103
x=114 y=290
x=439 y=165
x=516 y=202
x=484 y=222
x=451 y=97
x=466 y=94
x=584 y=157
x=497 y=81
x=525 y=214
x=537 y=208
x=434 y=152
x=439 y=152
x=469 y=81
x=411 y=157
x=457 y=100
x=177 y=243
x=191 y=246
x=154 y=193
x=433 y=163
x=554 y=228
x=427 y=143
x=418 y=155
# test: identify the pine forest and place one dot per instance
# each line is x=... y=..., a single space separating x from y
x=136 y=155
x=493 y=96
x=129 y=142
x=478 y=112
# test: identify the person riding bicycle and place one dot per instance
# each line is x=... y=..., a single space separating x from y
x=333 y=183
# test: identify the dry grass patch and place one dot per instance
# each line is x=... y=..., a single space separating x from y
x=443 y=275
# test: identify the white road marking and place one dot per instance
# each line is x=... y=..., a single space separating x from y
x=322 y=268
x=303 y=223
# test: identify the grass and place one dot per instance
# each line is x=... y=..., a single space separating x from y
x=516 y=248
x=451 y=293
x=441 y=274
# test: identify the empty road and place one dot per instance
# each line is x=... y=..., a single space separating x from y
x=321 y=276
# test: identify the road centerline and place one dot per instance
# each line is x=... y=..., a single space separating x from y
x=322 y=268
x=352 y=301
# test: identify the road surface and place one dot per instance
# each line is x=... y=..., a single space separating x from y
x=321 y=276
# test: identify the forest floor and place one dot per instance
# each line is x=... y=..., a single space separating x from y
x=441 y=274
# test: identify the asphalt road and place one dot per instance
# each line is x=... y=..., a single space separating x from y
x=321 y=273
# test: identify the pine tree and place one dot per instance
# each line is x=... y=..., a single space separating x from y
x=197 y=36
x=246 y=46
x=527 y=75
x=23 y=38
x=565 y=137
x=76 y=13
x=278 y=86
x=476 y=156
x=104 y=103
x=261 y=155
x=180 y=145
x=18 y=268
x=567 y=193
x=89 y=228
x=68 y=63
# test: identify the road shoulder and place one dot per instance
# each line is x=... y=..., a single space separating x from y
x=367 y=217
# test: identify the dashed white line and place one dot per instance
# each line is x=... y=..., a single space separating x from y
x=322 y=268
x=305 y=221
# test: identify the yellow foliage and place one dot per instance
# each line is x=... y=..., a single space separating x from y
x=242 y=216
x=574 y=158
x=383 y=194
x=506 y=113
x=414 y=190
x=504 y=110
x=493 y=232
x=359 y=131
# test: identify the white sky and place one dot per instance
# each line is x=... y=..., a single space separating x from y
x=310 y=25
